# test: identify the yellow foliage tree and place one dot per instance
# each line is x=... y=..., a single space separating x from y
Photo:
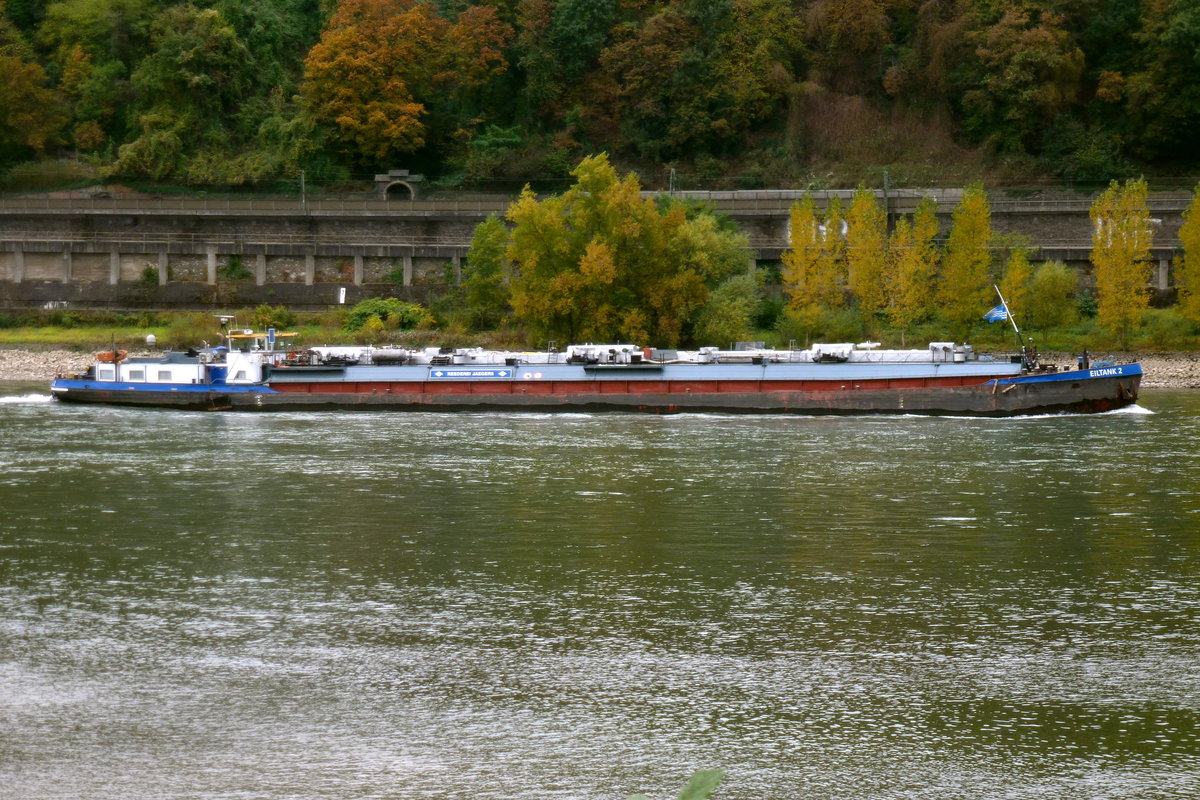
x=1015 y=285
x=30 y=112
x=966 y=288
x=813 y=266
x=913 y=258
x=1187 y=263
x=830 y=272
x=866 y=251
x=1121 y=239
x=602 y=262
x=800 y=259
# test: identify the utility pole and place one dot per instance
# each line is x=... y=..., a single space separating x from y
x=887 y=206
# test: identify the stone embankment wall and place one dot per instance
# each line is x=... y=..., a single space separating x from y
x=131 y=251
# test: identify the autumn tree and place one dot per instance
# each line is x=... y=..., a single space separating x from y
x=1015 y=283
x=966 y=287
x=694 y=76
x=1026 y=70
x=30 y=111
x=1121 y=239
x=866 y=251
x=913 y=257
x=381 y=63
x=799 y=273
x=831 y=263
x=812 y=264
x=1187 y=263
x=602 y=262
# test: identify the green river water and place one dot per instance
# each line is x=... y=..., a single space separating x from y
x=498 y=606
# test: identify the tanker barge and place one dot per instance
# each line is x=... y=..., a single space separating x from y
x=257 y=372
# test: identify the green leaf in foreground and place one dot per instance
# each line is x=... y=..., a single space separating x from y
x=701 y=786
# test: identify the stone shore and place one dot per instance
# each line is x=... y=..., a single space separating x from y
x=1163 y=370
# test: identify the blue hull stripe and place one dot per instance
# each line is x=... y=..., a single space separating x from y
x=1119 y=371
x=195 y=388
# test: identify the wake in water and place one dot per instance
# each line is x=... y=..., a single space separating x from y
x=15 y=399
x=1134 y=409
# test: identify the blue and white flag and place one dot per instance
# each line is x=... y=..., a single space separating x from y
x=997 y=314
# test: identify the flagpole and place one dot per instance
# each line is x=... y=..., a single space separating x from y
x=1029 y=355
x=1011 y=318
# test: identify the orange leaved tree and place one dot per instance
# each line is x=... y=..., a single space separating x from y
x=381 y=63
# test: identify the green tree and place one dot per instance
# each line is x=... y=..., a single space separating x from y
x=729 y=312
x=487 y=271
x=213 y=103
x=966 y=288
x=1121 y=239
x=1051 y=297
x=1158 y=96
x=1187 y=263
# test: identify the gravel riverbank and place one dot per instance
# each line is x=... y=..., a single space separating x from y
x=1163 y=370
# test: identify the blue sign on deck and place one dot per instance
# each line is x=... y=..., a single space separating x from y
x=469 y=373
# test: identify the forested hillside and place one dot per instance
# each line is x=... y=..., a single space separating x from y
x=735 y=92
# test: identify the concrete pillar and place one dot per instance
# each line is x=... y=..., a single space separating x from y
x=210 y=253
x=310 y=269
x=408 y=269
x=163 y=267
x=18 y=263
x=1164 y=274
x=114 y=266
x=358 y=269
x=66 y=266
x=260 y=269
x=456 y=259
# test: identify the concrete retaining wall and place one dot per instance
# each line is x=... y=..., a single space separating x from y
x=175 y=252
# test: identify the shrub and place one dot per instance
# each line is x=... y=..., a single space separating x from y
x=392 y=313
x=1166 y=329
x=730 y=309
x=1050 y=297
x=188 y=330
x=268 y=316
x=234 y=270
x=820 y=325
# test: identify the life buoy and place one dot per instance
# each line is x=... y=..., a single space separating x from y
x=109 y=356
